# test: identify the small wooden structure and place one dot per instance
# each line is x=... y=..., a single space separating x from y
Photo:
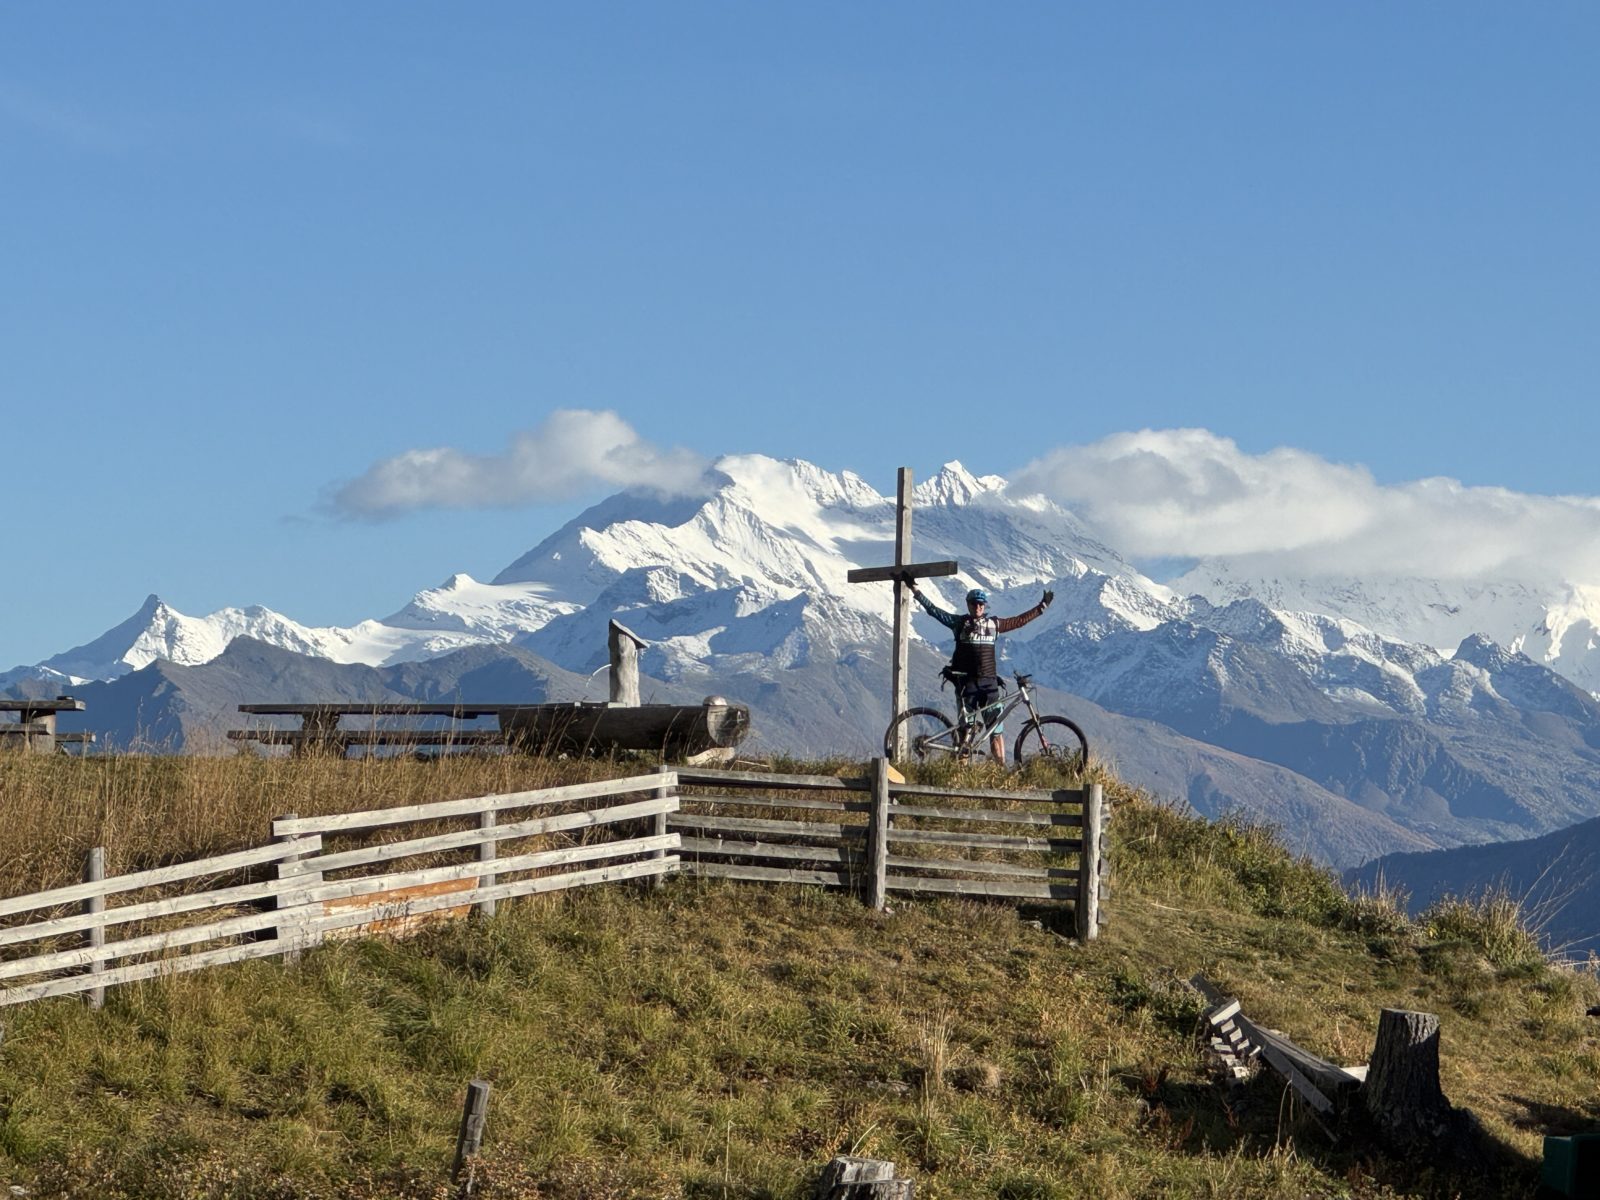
x=848 y=1177
x=624 y=646
x=1396 y=1097
x=35 y=727
x=1236 y=1042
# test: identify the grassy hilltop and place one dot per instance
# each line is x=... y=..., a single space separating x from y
x=718 y=1040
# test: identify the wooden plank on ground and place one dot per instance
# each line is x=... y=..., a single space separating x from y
x=369 y=737
x=406 y=922
x=396 y=709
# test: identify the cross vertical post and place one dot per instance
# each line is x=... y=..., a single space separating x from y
x=899 y=670
x=900 y=574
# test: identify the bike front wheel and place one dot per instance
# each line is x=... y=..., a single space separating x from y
x=928 y=734
x=1054 y=738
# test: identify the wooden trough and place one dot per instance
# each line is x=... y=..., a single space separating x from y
x=679 y=731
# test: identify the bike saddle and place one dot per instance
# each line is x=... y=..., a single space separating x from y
x=1024 y=680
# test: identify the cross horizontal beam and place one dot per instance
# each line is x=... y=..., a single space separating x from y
x=889 y=574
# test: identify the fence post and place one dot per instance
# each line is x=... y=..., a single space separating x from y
x=488 y=851
x=878 y=838
x=291 y=900
x=94 y=871
x=1087 y=915
x=470 y=1139
x=658 y=826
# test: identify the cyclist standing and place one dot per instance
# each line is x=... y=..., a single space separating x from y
x=974 y=654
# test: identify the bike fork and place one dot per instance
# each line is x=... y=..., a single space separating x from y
x=1033 y=717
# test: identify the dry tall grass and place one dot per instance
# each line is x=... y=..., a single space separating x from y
x=149 y=811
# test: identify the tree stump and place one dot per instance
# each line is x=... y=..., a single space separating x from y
x=850 y=1178
x=1402 y=1092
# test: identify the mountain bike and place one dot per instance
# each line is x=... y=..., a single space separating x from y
x=929 y=733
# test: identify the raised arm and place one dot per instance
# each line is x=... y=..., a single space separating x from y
x=1007 y=624
x=949 y=620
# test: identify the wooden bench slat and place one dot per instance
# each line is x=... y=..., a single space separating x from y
x=382 y=709
x=369 y=737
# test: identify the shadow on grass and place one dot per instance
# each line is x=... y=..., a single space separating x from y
x=1555 y=1120
x=1266 y=1114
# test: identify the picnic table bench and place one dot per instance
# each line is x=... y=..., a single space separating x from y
x=320 y=731
x=35 y=726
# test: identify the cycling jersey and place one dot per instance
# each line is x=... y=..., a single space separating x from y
x=975 y=636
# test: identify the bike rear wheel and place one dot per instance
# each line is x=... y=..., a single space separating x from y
x=1054 y=738
x=921 y=726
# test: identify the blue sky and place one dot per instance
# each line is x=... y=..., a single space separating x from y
x=248 y=254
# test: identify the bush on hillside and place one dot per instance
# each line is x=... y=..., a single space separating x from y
x=1493 y=923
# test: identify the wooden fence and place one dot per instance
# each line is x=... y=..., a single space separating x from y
x=330 y=876
x=879 y=835
x=392 y=870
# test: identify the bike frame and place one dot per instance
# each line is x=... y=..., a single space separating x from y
x=972 y=730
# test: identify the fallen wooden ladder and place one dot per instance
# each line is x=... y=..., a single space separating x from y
x=1237 y=1041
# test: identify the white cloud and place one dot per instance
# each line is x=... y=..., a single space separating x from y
x=572 y=451
x=1191 y=493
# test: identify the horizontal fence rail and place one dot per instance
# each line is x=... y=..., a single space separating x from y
x=396 y=869
x=897 y=837
x=392 y=879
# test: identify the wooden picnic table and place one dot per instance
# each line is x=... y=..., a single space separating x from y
x=35 y=726
x=319 y=726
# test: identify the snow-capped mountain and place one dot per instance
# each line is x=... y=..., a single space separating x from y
x=461 y=612
x=1360 y=691
x=1554 y=623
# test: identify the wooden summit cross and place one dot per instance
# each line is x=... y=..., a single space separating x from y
x=900 y=572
